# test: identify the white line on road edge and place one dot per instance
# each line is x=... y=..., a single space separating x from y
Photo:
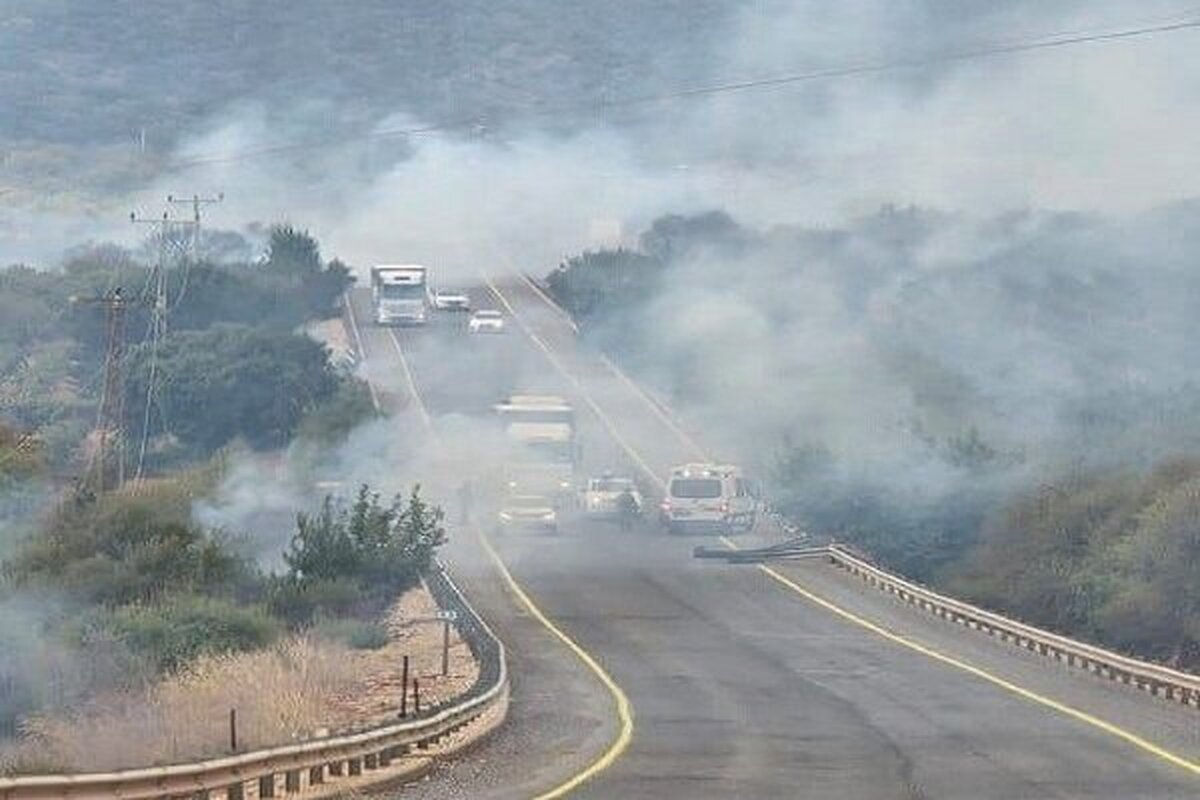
x=599 y=412
x=362 y=350
x=562 y=312
x=662 y=415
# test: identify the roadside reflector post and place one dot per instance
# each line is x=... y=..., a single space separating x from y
x=233 y=742
x=416 y=696
x=404 y=688
x=291 y=781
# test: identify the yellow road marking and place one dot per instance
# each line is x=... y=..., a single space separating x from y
x=623 y=706
x=1082 y=716
x=1020 y=691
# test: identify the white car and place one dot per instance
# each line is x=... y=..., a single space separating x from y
x=451 y=300
x=528 y=513
x=486 y=321
x=602 y=495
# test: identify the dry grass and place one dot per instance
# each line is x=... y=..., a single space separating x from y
x=301 y=688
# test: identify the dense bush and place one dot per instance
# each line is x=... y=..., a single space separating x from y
x=333 y=419
x=1114 y=556
x=355 y=633
x=188 y=626
x=227 y=382
x=383 y=548
x=299 y=601
x=130 y=548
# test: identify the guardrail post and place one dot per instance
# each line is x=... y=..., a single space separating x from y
x=291 y=781
x=233 y=742
x=404 y=688
x=354 y=766
x=371 y=761
x=236 y=791
x=266 y=785
x=316 y=775
x=335 y=769
x=416 y=696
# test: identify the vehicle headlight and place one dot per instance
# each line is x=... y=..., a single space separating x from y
x=564 y=484
x=505 y=516
x=548 y=516
x=512 y=484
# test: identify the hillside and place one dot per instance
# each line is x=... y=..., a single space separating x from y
x=81 y=79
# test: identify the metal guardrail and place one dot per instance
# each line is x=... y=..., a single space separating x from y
x=1156 y=679
x=289 y=769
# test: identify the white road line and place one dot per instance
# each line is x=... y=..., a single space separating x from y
x=571 y=379
x=658 y=412
x=362 y=350
x=412 y=384
x=562 y=312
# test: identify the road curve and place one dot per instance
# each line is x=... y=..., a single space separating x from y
x=743 y=689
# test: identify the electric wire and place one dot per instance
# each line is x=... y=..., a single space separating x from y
x=1174 y=24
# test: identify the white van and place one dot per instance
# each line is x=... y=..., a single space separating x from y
x=709 y=498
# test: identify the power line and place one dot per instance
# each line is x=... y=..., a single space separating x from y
x=1044 y=42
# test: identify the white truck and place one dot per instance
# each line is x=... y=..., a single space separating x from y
x=709 y=498
x=543 y=452
x=400 y=293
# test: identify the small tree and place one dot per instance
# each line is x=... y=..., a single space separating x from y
x=383 y=548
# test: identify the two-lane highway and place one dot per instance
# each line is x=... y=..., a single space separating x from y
x=740 y=688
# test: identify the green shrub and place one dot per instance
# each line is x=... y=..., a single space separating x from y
x=131 y=548
x=229 y=382
x=358 y=634
x=298 y=602
x=188 y=626
x=332 y=420
x=383 y=548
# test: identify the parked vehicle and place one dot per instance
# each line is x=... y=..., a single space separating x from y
x=603 y=496
x=709 y=498
x=528 y=512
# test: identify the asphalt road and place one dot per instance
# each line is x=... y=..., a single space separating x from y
x=741 y=688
